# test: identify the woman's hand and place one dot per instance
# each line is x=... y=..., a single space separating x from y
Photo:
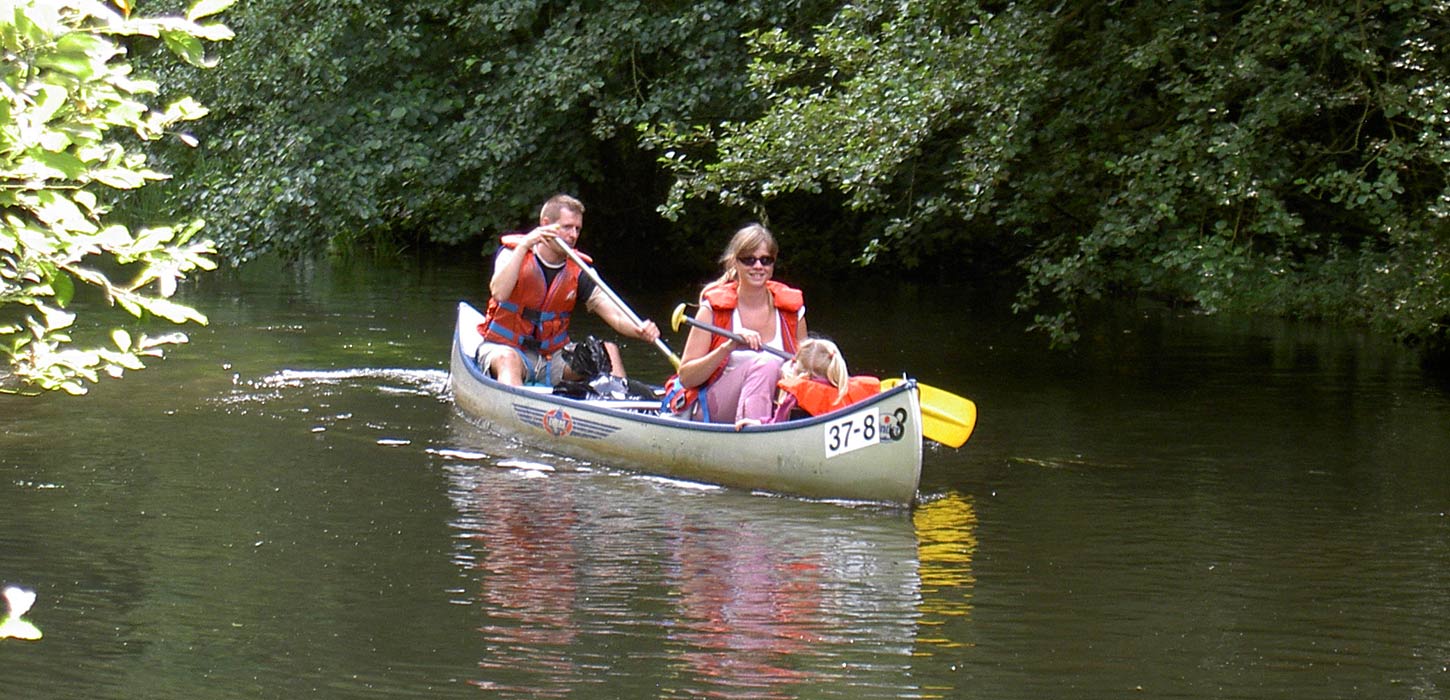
x=751 y=338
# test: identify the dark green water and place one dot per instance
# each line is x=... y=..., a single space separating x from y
x=288 y=507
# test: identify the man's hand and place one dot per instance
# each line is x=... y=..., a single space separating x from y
x=649 y=331
x=539 y=235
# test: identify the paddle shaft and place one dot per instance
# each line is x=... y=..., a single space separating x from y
x=734 y=336
x=628 y=312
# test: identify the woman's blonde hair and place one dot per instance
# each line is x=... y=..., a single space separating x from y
x=749 y=238
x=818 y=358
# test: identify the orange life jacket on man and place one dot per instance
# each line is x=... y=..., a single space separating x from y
x=819 y=397
x=534 y=317
x=723 y=298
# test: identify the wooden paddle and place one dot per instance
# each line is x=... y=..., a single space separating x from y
x=945 y=417
x=628 y=312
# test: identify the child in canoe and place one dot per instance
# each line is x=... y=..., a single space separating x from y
x=817 y=381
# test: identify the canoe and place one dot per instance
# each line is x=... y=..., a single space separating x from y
x=868 y=451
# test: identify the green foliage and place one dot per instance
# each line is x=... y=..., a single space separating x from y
x=347 y=123
x=71 y=105
x=1289 y=157
x=1284 y=157
x=874 y=97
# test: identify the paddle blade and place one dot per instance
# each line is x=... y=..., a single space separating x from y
x=945 y=417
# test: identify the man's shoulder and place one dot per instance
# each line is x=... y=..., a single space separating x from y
x=587 y=287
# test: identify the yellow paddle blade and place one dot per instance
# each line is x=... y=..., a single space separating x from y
x=945 y=417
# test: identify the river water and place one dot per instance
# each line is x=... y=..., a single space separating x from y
x=288 y=507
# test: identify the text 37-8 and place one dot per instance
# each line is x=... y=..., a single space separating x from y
x=852 y=432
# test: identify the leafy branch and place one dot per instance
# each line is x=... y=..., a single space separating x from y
x=68 y=99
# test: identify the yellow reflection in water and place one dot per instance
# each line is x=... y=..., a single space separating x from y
x=946 y=534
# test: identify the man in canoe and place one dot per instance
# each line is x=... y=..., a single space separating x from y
x=532 y=294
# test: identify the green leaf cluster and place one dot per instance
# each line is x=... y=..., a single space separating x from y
x=71 y=113
x=1287 y=157
x=346 y=123
x=1284 y=157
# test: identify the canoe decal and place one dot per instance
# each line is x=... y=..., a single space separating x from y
x=559 y=423
x=863 y=429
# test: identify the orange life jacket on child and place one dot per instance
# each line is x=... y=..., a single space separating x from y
x=535 y=317
x=818 y=397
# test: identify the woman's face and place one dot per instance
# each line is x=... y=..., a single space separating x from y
x=755 y=266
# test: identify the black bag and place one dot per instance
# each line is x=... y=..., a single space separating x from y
x=588 y=359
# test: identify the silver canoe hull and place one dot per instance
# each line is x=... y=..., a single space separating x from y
x=869 y=451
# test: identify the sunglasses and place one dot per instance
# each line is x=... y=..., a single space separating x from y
x=750 y=260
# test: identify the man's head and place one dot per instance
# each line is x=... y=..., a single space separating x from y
x=566 y=214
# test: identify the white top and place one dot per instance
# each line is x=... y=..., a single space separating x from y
x=740 y=355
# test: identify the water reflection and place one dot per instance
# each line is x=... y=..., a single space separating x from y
x=946 y=530
x=527 y=556
x=594 y=583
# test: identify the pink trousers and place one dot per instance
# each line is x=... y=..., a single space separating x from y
x=746 y=390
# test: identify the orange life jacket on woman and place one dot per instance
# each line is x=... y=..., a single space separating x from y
x=723 y=299
x=534 y=317
x=819 y=397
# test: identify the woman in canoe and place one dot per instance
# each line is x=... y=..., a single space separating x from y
x=721 y=380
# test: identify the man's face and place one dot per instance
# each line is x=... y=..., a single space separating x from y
x=568 y=224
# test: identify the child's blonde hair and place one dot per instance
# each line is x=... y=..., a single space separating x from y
x=819 y=358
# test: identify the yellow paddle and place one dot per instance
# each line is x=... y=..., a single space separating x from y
x=945 y=417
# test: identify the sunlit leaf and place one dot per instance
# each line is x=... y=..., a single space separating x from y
x=56 y=319
x=58 y=211
x=14 y=627
x=64 y=288
x=166 y=283
x=18 y=601
x=185 y=46
x=171 y=311
x=77 y=64
x=61 y=164
x=119 y=178
x=207 y=8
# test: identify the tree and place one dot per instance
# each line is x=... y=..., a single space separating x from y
x=1286 y=157
x=346 y=123
x=73 y=123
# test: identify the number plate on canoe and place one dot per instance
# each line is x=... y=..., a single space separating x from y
x=852 y=432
